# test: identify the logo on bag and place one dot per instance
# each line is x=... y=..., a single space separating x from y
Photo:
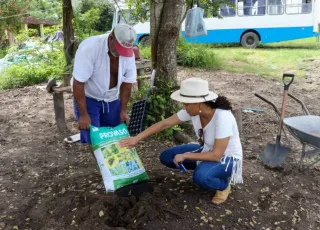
x=113 y=133
x=95 y=129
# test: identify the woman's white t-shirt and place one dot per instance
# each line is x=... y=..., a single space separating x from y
x=223 y=124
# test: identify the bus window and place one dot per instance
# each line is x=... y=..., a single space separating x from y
x=251 y=7
x=298 y=6
x=227 y=10
x=275 y=7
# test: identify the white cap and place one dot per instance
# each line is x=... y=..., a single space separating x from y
x=125 y=36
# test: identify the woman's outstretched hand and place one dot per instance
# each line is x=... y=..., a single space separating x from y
x=129 y=142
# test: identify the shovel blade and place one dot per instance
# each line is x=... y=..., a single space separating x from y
x=274 y=155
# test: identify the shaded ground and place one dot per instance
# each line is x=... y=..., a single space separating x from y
x=47 y=184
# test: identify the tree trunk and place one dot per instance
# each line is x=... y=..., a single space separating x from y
x=165 y=23
x=156 y=7
x=166 y=18
x=68 y=35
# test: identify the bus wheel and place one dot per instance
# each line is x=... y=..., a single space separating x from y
x=145 y=40
x=250 y=40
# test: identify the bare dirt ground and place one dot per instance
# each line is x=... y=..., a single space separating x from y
x=48 y=184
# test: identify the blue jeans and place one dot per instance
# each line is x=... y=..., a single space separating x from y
x=208 y=174
x=102 y=114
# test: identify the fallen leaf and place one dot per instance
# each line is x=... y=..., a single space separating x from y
x=101 y=213
x=185 y=207
x=228 y=212
x=15 y=228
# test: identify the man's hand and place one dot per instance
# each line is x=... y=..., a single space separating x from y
x=124 y=117
x=129 y=142
x=84 y=122
x=178 y=158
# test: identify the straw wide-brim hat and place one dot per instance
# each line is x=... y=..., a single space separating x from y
x=194 y=90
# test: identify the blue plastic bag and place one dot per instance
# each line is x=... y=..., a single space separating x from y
x=195 y=25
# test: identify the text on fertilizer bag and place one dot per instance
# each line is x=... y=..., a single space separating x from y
x=114 y=133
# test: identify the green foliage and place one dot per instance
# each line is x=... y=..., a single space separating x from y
x=22 y=37
x=10 y=16
x=138 y=95
x=41 y=67
x=191 y=55
x=145 y=52
x=105 y=21
x=50 y=30
x=33 y=33
x=140 y=9
x=92 y=18
x=11 y=12
x=3 y=52
x=162 y=106
x=46 y=9
x=89 y=19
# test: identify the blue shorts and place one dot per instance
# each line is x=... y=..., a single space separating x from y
x=102 y=114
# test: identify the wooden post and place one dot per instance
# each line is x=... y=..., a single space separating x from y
x=66 y=79
x=58 y=103
x=24 y=26
x=140 y=72
x=237 y=114
x=41 y=30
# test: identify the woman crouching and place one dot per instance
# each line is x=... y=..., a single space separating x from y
x=217 y=160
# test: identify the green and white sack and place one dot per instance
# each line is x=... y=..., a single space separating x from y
x=118 y=166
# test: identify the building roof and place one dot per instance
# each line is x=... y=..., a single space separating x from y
x=37 y=21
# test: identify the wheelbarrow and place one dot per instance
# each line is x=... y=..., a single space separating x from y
x=305 y=128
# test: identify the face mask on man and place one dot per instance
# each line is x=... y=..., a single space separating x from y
x=112 y=47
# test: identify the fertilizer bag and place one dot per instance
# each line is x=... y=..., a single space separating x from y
x=194 y=25
x=118 y=166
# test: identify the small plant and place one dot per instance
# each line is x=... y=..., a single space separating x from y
x=161 y=107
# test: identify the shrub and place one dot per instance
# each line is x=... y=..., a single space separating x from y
x=23 y=74
x=190 y=55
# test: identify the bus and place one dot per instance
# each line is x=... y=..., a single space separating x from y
x=249 y=22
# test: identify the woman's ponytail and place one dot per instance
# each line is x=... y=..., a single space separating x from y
x=220 y=103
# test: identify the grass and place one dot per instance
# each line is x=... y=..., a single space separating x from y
x=269 y=60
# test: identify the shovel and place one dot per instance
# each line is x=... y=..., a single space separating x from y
x=274 y=154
